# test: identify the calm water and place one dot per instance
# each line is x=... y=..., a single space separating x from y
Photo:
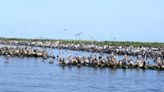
x=33 y=74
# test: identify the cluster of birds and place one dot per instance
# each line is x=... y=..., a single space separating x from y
x=120 y=50
x=23 y=51
x=25 y=48
x=111 y=61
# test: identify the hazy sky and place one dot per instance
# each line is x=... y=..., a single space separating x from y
x=130 y=20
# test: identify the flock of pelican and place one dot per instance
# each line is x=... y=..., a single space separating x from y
x=120 y=50
x=25 y=48
x=21 y=51
x=111 y=61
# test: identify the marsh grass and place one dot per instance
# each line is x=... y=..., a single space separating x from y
x=99 y=43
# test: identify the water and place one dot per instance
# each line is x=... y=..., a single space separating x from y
x=22 y=74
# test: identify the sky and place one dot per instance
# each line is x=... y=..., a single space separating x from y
x=112 y=20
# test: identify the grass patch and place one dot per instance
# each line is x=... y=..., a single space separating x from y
x=100 y=43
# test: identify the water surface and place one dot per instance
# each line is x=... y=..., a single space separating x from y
x=22 y=74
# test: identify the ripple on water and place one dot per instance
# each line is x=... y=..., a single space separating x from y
x=31 y=74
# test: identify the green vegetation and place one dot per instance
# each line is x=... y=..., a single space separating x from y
x=101 y=43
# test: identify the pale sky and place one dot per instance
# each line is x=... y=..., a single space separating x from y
x=121 y=20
